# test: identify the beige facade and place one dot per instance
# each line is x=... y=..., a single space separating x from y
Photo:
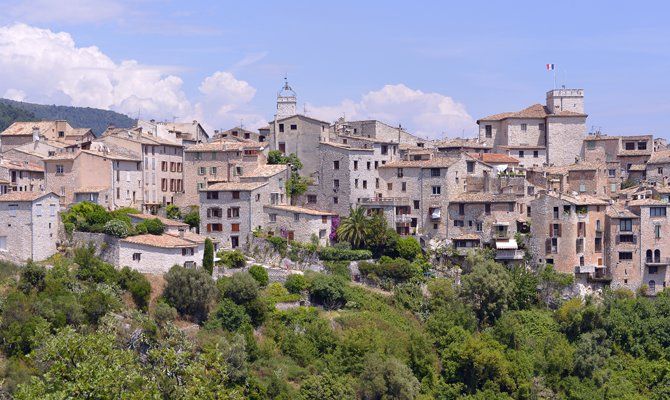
x=29 y=228
x=25 y=132
x=156 y=254
x=22 y=176
x=299 y=223
x=654 y=243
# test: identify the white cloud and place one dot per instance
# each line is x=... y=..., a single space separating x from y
x=14 y=94
x=69 y=11
x=426 y=114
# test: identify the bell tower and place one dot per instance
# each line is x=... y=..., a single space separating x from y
x=286 y=101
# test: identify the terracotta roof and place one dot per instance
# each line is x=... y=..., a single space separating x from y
x=467 y=236
x=227 y=145
x=266 y=171
x=663 y=189
x=25 y=128
x=648 y=202
x=71 y=155
x=580 y=199
x=165 y=240
x=233 y=186
x=494 y=158
x=346 y=146
x=637 y=167
x=91 y=189
x=523 y=147
x=299 y=210
x=21 y=166
x=436 y=162
x=165 y=221
x=616 y=211
x=23 y=196
x=534 y=111
x=480 y=197
x=460 y=142
x=302 y=117
x=660 y=157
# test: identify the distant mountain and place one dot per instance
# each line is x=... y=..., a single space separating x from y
x=78 y=117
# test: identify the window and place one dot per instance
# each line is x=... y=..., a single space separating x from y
x=236 y=194
x=282 y=147
x=487 y=209
x=626 y=225
x=458 y=223
x=541 y=127
x=524 y=127
x=582 y=187
x=336 y=165
x=356 y=183
x=660 y=170
x=294 y=127
x=521 y=154
x=336 y=183
x=401 y=173
x=434 y=172
x=416 y=204
x=311 y=198
x=212 y=195
x=281 y=127
x=233 y=212
x=336 y=200
x=202 y=170
x=61 y=134
x=489 y=131
x=437 y=190
x=555 y=212
x=137 y=256
x=52 y=210
x=369 y=165
x=611 y=173
x=625 y=255
x=12 y=209
x=355 y=165
x=642 y=145
x=296 y=217
x=653 y=269
x=403 y=186
x=38 y=210
x=187 y=251
x=471 y=166
x=214 y=227
x=613 y=187
x=389 y=186
x=212 y=170
x=365 y=184
x=590 y=145
x=630 y=145
x=657 y=211
x=657 y=231
x=234 y=227
x=324 y=219
x=234 y=242
x=461 y=209
x=273 y=217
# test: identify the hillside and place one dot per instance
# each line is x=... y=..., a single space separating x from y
x=78 y=117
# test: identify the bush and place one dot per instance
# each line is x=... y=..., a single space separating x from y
x=241 y=287
x=338 y=254
x=192 y=218
x=164 y=313
x=229 y=316
x=396 y=269
x=93 y=269
x=118 y=228
x=233 y=259
x=32 y=277
x=140 y=229
x=154 y=226
x=96 y=304
x=339 y=268
x=277 y=293
x=408 y=248
x=172 y=211
x=295 y=283
x=328 y=290
x=278 y=244
x=137 y=285
x=190 y=291
x=260 y=274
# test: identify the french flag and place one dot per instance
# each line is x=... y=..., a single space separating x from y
x=550 y=67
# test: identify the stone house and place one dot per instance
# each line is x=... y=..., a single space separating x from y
x=540 y=134
x=622 y=247
x=25 y=132
x=374 y=129
x=241 y=133
x=217 y=161
x=300 y=135
x=162 y=167
x=22 y=176
x=111 y=179
x=186 y=133
x=34 y=152
x=299 y=223
x=171 y=226
x=156 y=254
x=654 y=242
x=456 y=146
x=657 y=168
x=29 y=228
x=567 y=231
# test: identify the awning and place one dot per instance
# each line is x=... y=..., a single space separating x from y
x=436 y=213
x=501 y=223
x=507 y=244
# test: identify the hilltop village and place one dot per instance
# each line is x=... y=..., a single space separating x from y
x=534 y=187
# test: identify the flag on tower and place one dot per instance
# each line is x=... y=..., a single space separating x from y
x=550 y=67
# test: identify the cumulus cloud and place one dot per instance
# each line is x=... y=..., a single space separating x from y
x=427 y=114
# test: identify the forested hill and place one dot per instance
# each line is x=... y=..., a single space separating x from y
x=78 y=117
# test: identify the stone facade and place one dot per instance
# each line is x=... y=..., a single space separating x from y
x=622 y=244
x=298 y=223
x=654 y=243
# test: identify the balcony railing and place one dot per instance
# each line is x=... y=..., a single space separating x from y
x=509 y=254
x=386 y=201
x=403 y=218
x=657 y=261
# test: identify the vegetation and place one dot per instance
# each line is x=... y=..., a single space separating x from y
x=91 y=217
x=172 y=211
x=260 y=274
x=208 y=256
x=354 y=229
x=192 y=218
x=232 y=259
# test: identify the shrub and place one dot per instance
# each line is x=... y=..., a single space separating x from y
x=241 y=287
x=396 y=269
x=154 y=226
x=137 y=285
x=295 y=283
x=32 y=277
x=260 y=274
x=408 y=248
x=118 y=228
x=233 y=259
x=172 y=211
x=338 y=254
x=192 y=218
x=96 y=304
x=278 y=244
x=208 y=256
x=229 y=316
x=163 y=312
x=92 y=268
x=190 y=291
x=69 y=227
x=328 y=290
x=277 y=293
x=339 y=268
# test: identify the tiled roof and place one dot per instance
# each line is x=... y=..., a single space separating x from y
x=494 y=158
x=480 y=197
x=436 y=162
x=616 y=211
x=637 y=167
x=534 y=111
x=23 y=196
x=660 y=157
x=467 y=236
x=299 y=210
x=165 y=240
x=580 y=199
x=630 y=153
x=647 y=202
x=226 y=145
x=21 y=166
x=165 y=221
x=266 y=171
x=25 y=128
x=91 y=189
x=460 y=142
x=346 y=146
x=523 y=147
x=663 y=189
x=71 y=155
x=233 y=186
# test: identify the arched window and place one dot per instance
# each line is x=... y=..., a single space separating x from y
x=657 y=255
x=649 y=256
x=652 y=286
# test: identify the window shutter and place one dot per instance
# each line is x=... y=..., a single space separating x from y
x=209 y=213
x=547 y=245
x=209 y=227
x=559 y=230
x=551 y=230
x=229 y=213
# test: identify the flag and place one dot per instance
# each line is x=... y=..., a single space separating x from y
x=550 y=67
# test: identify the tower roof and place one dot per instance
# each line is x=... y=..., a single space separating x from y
x=286 y=90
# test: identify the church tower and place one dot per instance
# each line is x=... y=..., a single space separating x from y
x=286 y=101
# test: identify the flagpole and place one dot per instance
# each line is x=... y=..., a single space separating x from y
x=554 y=71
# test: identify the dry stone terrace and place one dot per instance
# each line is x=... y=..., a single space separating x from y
x=533 y=186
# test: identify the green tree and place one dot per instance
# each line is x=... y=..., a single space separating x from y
x=260 y=274
x=297 y=185
x=137 y=285
x=190 y=291
x=387 y=378
x=208 y=256
x=408 y=248
x=381 y=239
x=172 y=211
x=154 y=226
x=354 y=228
x=242 y=288
x=232 y=259
x=295 y=283
x=192 y=218
x=328 y=290
x=229 y=316
x=488 y=290
x=328 y=386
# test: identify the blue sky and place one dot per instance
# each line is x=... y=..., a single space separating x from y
x=435 y=67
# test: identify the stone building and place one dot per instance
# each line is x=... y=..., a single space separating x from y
x=567 y=231
x=654 y=242
x=454 y=147
x=217 y=161
x=156 y=254
x=540 y=134
x=162 y=166
x=592 y=178
x=29 y=228
x=622 y=247
x=298 y=223
x=240 y=133
x=22 y=176
x=25 y=132
x=657 y=168
x=374 y=129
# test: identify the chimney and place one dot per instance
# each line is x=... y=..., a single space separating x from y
x=36 y=134
x=181 y=232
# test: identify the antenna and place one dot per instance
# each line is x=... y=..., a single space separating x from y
x=304 y=108
x=242 y=123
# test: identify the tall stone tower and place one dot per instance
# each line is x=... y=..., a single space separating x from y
x=565 y=100
x=286 y=101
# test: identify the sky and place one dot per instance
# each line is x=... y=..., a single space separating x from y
x=433 y=66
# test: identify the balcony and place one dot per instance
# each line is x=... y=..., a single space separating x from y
x=403 y=219
x=657 y=261
x=509 y=254
x=626 y=238
x=386 y=201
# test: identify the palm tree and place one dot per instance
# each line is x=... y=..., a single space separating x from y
x=354 y=228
